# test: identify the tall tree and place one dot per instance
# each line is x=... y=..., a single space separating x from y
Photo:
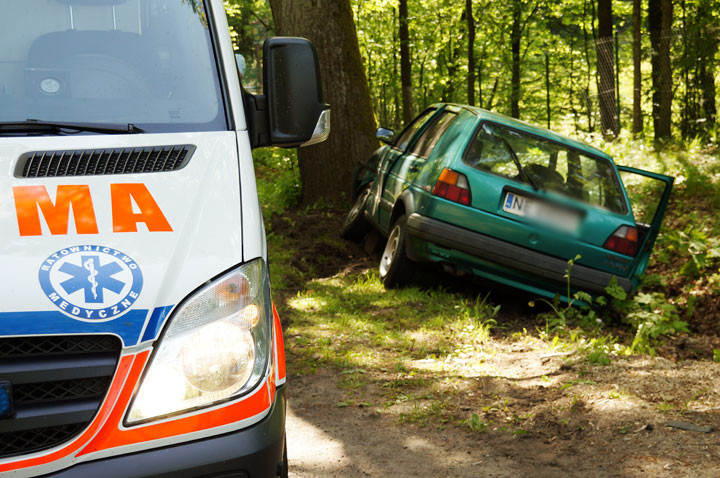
x=515 y=37
x=699 y=63
x=606 y=69
x=517 y=29
x=660 y=14
x=707 y=62
x=405 y=64
x=326 y=169
x=637 y=126
x=471 y=52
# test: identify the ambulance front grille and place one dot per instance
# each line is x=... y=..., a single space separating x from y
x=94 y=162
x=58 y=384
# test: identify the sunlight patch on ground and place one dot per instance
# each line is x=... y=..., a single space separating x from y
x=307 y=304
x=303 y=436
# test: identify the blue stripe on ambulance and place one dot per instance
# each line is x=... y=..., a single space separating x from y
x=128 y=327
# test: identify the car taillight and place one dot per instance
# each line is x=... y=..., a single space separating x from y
x=453 y=186
x=624 y=240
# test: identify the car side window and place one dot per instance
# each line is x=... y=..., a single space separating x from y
x=407 y=135
x=430 y=137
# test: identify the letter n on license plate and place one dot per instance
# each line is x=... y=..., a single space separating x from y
x=515 y=204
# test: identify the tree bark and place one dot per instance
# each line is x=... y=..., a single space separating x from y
x=588 y=78
x=326 y=169
x=515 y=36
x=701 y=116
x=471 y=52
x=606 y=69
x=405 y=64
x=706 y=74
x=659 y=25
x=637 y=126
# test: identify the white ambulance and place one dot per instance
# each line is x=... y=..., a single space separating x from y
x=137 y=332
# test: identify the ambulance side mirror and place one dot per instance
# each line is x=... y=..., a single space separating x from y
x=297 y=114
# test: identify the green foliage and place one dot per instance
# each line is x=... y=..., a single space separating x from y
x=652 y=316
x=559 y=35
x=700 y=251
x=278 y=180
x=250 y=23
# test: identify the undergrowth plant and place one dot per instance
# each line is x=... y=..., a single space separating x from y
x=650 y=314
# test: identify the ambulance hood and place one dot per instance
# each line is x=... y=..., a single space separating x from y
x=91 y=253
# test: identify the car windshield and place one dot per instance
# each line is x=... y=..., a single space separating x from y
x=546 y=165
x=145 y=62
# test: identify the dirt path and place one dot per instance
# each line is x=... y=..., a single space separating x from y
x=352 y=442
x=596 y=436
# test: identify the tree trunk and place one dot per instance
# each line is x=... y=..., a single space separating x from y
x=515 y=36
x=606 y=69
x=471 y=52
x=586 y=91
x=708 y=38
x=637 y=126
x=480 y=83
x=659 y=24
x=405 y=65
x=396 y=97
x=326 y=169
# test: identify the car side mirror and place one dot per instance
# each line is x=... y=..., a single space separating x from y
x=385 y=135
x=297 y=115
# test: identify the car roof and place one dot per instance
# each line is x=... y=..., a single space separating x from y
x=527 y=128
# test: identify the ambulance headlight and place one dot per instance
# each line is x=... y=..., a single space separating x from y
x=215 y=348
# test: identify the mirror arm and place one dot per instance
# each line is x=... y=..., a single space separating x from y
x=257 y=118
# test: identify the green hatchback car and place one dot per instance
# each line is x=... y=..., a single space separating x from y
x=480 y=193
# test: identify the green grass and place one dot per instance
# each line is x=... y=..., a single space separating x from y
x=371 y=327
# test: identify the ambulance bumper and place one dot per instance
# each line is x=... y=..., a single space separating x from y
x=255 y=452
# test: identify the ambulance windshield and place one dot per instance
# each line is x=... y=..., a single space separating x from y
x=144 y=62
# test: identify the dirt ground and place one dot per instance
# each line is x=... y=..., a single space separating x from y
x=569 y=419
x=595 y=436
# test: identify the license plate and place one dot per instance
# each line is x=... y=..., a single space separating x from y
x=542 y=212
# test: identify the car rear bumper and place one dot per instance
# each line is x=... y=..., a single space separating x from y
x=511 y=256
x=254 y=452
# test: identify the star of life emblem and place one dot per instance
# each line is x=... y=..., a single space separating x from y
x=91 y=283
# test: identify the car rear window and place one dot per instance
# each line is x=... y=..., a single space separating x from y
x=549 y=165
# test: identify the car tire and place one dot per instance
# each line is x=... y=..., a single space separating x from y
x=396 y=269
x=356 y=226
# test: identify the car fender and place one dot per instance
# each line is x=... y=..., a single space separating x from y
x=405 y=205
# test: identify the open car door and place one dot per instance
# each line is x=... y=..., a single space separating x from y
x=649 y=194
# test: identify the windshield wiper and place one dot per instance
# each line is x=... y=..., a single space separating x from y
x=517 y=163
x=39 y=126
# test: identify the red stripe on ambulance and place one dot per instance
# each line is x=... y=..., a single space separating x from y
x=124 y=367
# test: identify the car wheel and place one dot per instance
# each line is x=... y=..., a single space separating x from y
x=396 y=268
x=356 y=226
